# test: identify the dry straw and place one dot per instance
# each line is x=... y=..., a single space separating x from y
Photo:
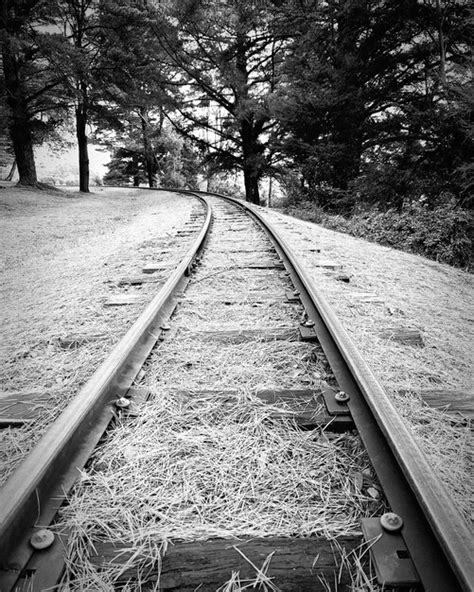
x=414 y=293
x=197 y=466
x=197 y=364
x=63 y=258
x=242 y=313
x=261 y=580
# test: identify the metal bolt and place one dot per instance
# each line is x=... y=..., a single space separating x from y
x=122 y=403
x=296 y=293
x=165 y=327
x=309 y=323
x=391 y=521
x=341 y=397
x=42 y=539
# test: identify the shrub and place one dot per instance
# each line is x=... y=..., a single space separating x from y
x=226 y=184
x=442 y=233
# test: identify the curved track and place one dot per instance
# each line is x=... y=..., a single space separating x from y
x=31 y=495
x=437 y=541
x=433 y=530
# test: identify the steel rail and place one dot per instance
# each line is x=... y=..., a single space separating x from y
x=439 y=542
x=29 y=496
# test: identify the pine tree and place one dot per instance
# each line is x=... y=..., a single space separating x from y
x=135 y=82
x=227 y=58
x=366 y=89
x=32 y=89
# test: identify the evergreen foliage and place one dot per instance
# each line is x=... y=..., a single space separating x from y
x=227 y=58
x=135 y=83
x=176 y=163
x=442 y=232
x=30 y=86
x=371 y=105
x=361 y=109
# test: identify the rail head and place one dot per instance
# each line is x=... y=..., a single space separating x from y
x=450 y=531
x=26 y=495
x=39 y=474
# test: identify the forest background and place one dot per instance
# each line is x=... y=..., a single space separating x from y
x=360 y=110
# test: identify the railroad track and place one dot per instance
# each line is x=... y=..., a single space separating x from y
x=237 y=352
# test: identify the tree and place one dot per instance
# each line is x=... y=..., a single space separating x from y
x=31 y=87
x=74 y=50
x=176 y=163
x=227 y=57
x=135 y=80
x=95 y=54
x=126 y=164
x=79 y=14
x=364 y=85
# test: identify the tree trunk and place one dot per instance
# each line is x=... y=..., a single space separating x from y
x=442 y=45
x=346 y=136
x=251 y=161
x=252 y=193
x=348 y=113
x=12 y=171
x=147 y=148
x=20 y=121
x=248 y=134
x=22 y=140
x=81 y=122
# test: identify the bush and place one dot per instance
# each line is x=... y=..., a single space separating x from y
x=226 y=184
x=442 y=233
x=305 y=210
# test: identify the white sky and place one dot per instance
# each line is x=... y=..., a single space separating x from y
x=65 y=162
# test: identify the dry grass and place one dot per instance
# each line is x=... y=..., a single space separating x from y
x=417 y=293
x=243 y=314
x=190 y=363
x=63 y=255
x=226 y=280
x=199 y=466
